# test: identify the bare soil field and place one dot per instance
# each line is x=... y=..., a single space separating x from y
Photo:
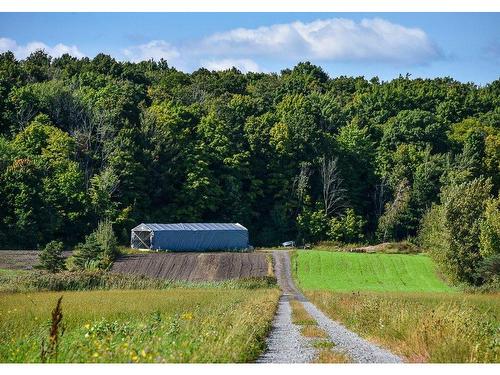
x=21 y=259
x=194 y=266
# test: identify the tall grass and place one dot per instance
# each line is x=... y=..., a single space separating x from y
x=178 y=325
x=104 y=280
x=422 y=327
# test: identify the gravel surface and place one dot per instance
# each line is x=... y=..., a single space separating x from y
x=356 y=348
x=285 y=344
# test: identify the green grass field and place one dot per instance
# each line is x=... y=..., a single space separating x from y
x=345 y=272
x=176 y=325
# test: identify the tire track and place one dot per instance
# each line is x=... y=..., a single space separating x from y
x=347 y=342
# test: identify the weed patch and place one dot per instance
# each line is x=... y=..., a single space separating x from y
x=299 y=314
x=313 y=331
x=422 y=327
x=105 y=280
x=178 y=325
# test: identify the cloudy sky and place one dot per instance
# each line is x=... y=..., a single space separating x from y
x=465 y=46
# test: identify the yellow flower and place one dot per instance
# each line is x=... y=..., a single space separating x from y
x=187 y=316
x=87 y=326
x=95 y=355
x=143 y=353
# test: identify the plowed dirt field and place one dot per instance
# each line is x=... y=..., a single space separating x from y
x=194 y=266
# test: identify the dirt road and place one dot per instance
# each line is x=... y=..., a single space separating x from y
x=345 y=341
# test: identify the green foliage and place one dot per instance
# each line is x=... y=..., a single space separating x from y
x=84 y=140
x=463 y=208
x=51 y=257
x=99 y=249
x=451 y=231
x=348 y=228
x=392 y=224
x=313 y=225
x=488 y=271
x=489 y=236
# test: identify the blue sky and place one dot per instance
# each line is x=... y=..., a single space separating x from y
x=465 y=46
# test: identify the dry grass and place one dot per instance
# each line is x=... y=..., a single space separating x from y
x=270 y=265
x=422 y=327
x=313 y=331
x=330 y=356
x=179 y=325
x=299 y=314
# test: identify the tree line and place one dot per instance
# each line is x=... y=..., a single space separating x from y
x=295 y=155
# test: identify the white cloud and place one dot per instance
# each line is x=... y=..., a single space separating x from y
x=333 y=39
x=23 y=51
x=244 y=65
x=156 y=50
x=327 y=40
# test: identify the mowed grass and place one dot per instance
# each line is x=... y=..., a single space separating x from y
x=345 y=272
x=421 y=327
x=177 y=325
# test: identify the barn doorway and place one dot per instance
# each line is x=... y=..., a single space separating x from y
x=141 y=239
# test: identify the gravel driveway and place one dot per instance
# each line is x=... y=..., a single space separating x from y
x=285 y=343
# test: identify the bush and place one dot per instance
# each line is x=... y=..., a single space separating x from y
x=347 y=228
x=51 y=257
x=107 y=241
x=392 y=225
x=312 y=225
x=490 y=229
x=434 y=238
x=488 y=271
x=451 y=231
x=99 y=250
x=464 y=206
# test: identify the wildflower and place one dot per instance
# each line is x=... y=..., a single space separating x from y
x=87 y=326
x=187 y=316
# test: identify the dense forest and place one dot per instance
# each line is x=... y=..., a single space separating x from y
x=295 y=155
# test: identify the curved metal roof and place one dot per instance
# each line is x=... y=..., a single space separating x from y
x=190 y=227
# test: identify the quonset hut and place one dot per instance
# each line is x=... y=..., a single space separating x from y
x=190 y=236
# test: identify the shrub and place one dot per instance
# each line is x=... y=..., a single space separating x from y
x=488 y=271
x=107 y=241
x=464 y=206
x=392 y=224
x=451 y=231
x=99 y=250
x=490 y=229
x=347 y=228
x=51 y=258
x=312 y=225
x=434 y=238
